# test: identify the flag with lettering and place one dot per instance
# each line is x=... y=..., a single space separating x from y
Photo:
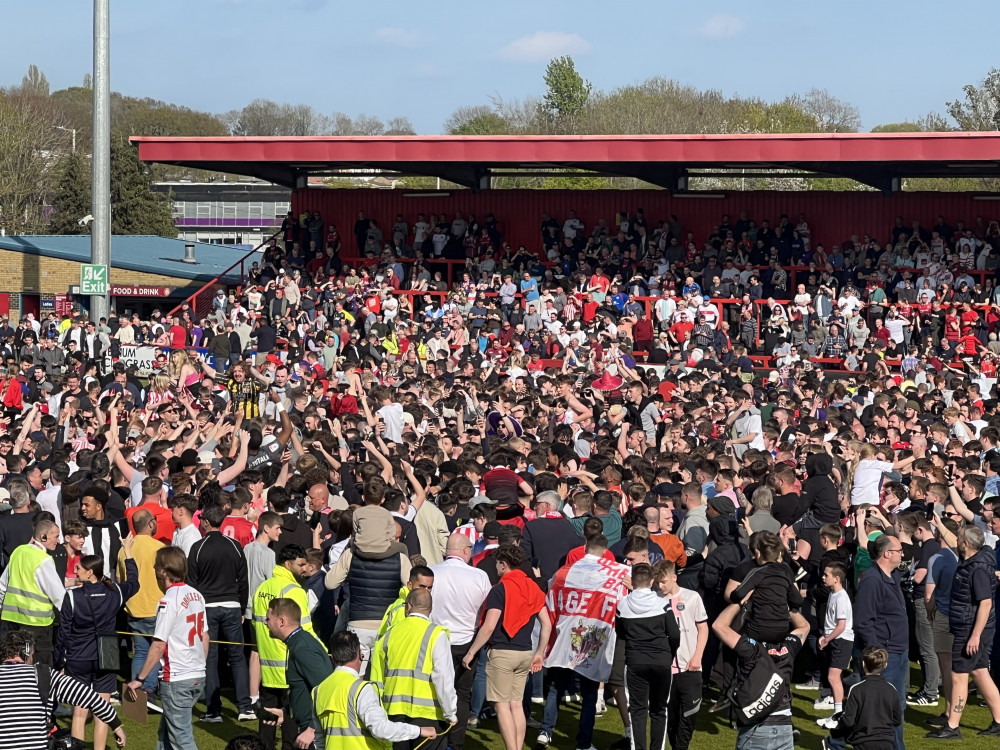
x=582 y=602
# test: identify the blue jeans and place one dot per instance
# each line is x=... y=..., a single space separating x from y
x=763 y=737
x=557 y=683
x=225 y=624
x=479 y=689
x=140 y=647
x=897 y=674
x=179 y=697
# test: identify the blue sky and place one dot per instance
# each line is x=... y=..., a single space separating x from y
x=895 y=60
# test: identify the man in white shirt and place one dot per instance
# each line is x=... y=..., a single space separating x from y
x=181 y=641
x=368 y=711
x=459 y=593
x=182 y=510
x=440 y=239
x=420 y=231
x=49 y=497
x=126 y=333
x=571 y=226
x=744 y=419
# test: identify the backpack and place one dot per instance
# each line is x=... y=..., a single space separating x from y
x=756 y=692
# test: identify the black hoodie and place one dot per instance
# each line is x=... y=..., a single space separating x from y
x=720 y=562
x=646 y=627
x=819 y=493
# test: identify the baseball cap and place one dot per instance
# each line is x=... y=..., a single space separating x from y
x=492 y=530
x=480 y=500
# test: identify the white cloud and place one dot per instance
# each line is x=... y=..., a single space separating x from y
x=544 y=45
x=399 y=37
x=722 y=26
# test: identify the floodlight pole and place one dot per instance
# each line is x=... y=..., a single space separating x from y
x=100 y=237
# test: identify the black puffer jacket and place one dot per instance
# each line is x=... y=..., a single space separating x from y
x=719 y=563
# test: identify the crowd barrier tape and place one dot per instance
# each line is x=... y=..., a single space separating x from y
x=222 y=643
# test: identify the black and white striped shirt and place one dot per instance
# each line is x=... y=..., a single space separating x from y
x=23 y=719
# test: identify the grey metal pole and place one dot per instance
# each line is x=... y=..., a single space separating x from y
x=100 y=237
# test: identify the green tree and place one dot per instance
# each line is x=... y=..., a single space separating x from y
x=566 y=92
x=980 y=110
x=478 y=120
x=898 y=127
x=71 y=199
x=135 y=207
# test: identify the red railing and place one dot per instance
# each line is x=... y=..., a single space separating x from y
x=201 y=301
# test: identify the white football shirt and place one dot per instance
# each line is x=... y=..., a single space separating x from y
x=180 y=623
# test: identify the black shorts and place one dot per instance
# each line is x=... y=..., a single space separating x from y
x=965 y=664
x=617 y=678
x=839 y=652
x=88 y=673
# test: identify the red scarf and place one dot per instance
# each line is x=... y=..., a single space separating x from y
x=523 y=601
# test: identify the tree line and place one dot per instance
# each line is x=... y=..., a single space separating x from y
x=45 y=137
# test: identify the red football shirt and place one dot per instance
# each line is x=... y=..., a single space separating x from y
x=240 y=529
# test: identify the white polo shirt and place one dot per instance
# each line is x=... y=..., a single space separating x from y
x=459 y=593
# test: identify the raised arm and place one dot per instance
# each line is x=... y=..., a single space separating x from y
x=228 y=475
x=374 y=451
x=419 y=493
x=208 y=369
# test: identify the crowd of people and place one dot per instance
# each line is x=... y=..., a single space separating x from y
x=372 y=516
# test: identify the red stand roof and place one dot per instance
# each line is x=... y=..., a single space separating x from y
x=877 y=159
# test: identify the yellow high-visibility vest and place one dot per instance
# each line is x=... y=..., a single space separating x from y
x=336 y=704
x=24 y=602
x=396 y=611
x=402 y=662
x=273 y=653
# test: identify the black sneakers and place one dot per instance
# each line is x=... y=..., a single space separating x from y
x=993 y=730
x=945 y=733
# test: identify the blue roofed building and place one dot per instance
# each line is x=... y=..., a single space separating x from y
x=39 y=273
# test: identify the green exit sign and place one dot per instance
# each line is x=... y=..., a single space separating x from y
x=93 y=279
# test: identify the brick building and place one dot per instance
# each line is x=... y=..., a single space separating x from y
x=40 y=272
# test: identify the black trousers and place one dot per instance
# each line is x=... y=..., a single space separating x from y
x=682 y=708
x=438 y=743
x=277 y=698
x=463 y=688
x=648 y=688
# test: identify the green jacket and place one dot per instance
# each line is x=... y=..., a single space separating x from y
x=308 y=665
x=612 y=525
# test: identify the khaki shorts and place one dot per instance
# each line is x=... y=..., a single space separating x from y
x=943 y=639
x=506 y=673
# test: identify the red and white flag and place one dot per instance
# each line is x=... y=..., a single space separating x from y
x=582 y=602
